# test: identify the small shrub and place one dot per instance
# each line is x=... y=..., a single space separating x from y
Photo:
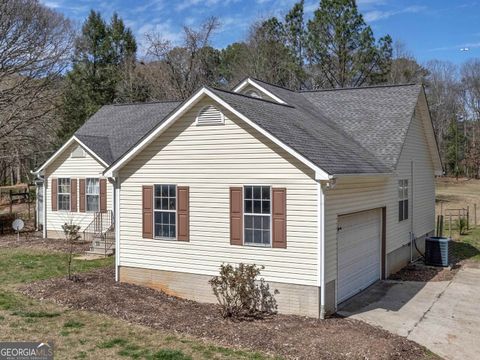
x=72 y=235
x=240 y=294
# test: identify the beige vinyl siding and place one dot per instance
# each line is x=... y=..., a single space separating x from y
x=352 y=194
x=210 y=160
x=75 y=168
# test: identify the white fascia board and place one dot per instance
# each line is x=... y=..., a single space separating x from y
x=319 y=173
x=62 y=149
x=333 y=176
x=258 y=87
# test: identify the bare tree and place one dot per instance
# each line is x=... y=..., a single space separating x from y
x=444 y=96
x=179 y=70
x=404 y=68
x=35 y=44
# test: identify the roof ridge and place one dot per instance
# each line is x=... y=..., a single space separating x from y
x=251 y=97
x=274 y=85
x=145 y=102
x=361 y=87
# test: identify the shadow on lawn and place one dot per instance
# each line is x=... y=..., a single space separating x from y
x=463 y=251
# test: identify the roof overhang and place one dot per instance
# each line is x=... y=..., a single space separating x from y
x=115 y=167
x=65 y=146
x=260 y=88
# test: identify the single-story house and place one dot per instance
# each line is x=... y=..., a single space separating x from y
x=327 y=189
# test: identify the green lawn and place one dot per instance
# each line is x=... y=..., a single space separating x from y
x=81 y=334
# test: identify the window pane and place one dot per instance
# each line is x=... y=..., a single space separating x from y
x=405 y=209
x=171 y=191
x=164 y=204
x=93 y=186
x=172 y=218
x=63 y=202
x=400 y=210
x=158 y=190
x=265 y=207
x=248 y=192
x=248 y=206
x=248 y=222
x=256 y=192
x=158 y=203
x=172 y=204
x=405 y=190
x=257 y=222
x=248 y=236
x=92 y=202
x=266 y=193
x=266 y=237
x=257 y=236
x=257 y=206
x=266 y=222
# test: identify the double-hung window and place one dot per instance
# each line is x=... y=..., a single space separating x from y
x=257 y=215
x=63 y=191
x=92 y=194
x=402 y=200
x=165 y=211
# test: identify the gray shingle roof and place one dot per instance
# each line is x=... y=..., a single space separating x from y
x=376 y=117
x=342 y=131
x=313 y=136
x=114 y=129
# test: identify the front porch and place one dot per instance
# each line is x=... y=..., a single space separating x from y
x=101 y=233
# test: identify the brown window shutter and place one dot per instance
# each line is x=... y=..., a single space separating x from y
x=81 y=183
x=147 y=212
x=279 y=218
x=53 y=192
x=103 y=195
x=183 y=213
x=73 y=195
x=236 y=216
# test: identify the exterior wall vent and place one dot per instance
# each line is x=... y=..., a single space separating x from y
x=254 y=94
x=78 y=152
x=210 y=115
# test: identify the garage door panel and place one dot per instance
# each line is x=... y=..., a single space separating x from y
x=359 y=249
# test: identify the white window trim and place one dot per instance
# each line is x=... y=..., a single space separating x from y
x=211 y=124
x=265 y=246
x=86 y=193
x=69 y=194
x=170 y=211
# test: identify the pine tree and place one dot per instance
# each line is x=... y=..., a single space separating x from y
x=342 y=46
x=100 y=52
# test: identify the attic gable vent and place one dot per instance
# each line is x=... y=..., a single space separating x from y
x=78 y=152
x=210 y=115
x=254 y=94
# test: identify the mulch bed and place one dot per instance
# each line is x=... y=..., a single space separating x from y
x=30 y=239
x=420 y=272
x=289 y=336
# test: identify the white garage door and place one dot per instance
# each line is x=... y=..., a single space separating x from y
x=359 y=249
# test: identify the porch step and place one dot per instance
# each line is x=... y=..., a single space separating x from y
x=101 y=243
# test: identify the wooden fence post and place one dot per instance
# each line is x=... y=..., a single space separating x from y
x=450 y=225
x=475 y=214
x=468 y=217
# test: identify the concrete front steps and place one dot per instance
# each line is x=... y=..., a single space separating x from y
x=98 y=247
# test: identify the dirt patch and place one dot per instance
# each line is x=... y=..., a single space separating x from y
x=288 y=336
x=420 y=272
x=31 y=239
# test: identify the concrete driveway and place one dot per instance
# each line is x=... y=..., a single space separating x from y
x=443 y=316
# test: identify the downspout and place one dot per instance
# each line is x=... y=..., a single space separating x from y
x=45 y=184
x=412 y=235
x=321 y=248
x=117 y=226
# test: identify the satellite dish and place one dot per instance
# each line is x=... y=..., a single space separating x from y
x=18 y=225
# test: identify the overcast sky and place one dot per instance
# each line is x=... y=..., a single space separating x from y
x=431 y=29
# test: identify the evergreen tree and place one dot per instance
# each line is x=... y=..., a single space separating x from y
x=342 y=46
x=101 y=51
